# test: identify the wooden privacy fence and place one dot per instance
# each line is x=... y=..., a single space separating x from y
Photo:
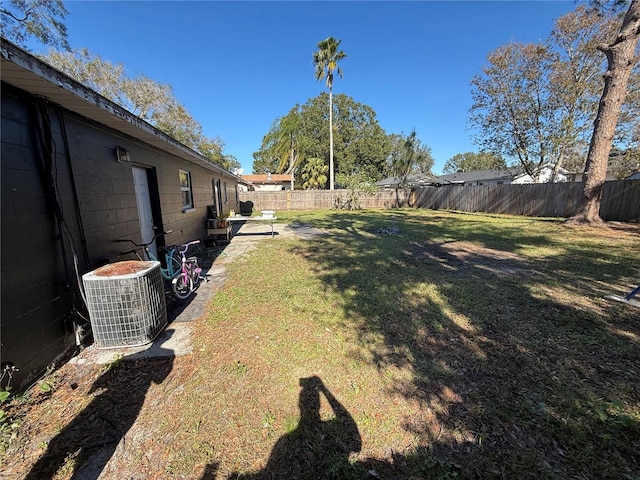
x=320 y=199
x=620 y=199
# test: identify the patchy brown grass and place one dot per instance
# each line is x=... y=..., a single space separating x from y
x=460 y=346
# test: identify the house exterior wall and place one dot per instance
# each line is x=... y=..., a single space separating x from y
x=271 y=188
x=544 y=176
x=36 y=305
x=275 y=182
x=98 y=204
x=476 y=183
x=107 y=196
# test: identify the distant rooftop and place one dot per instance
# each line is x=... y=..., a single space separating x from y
x=482 y=175
x=266 y=179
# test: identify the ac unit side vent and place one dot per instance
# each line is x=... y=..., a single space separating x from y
x=126 y=303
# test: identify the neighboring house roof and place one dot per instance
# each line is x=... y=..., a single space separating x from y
x=267 y=179
x=28 y=73
x=503 y=174
x=482 y=175
x=413 y=180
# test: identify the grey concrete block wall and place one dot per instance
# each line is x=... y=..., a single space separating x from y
x=106 y=192
x=36 y=304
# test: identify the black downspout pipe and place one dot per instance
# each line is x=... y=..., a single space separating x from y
x=45 y=159
x=72 y=177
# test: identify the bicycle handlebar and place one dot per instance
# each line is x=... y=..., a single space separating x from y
x=186 y=246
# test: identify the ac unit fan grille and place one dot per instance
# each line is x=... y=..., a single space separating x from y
x=126 y=310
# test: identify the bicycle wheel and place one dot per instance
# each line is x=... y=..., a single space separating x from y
x=194 y=272
x=182 y=286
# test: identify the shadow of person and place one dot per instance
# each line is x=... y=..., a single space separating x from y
x=210 y=471
x=88 y=441
x=316 y=449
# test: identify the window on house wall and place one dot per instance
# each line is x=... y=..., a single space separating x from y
x=226 y=198
x=237 y=195
x=185 y=186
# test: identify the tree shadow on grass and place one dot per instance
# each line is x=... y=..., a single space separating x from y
x=87 y=442
x=519 y=372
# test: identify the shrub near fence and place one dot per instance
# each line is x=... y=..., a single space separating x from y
x=620 y=199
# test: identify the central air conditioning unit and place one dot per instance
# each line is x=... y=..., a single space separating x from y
x=126 y=303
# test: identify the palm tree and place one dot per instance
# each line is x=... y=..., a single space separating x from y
x=326 y=60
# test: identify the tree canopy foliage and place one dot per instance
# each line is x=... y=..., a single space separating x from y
x=361 y=146
x=39 y=19
x=472 y=161
x=150 y=100
x=511 y=104
x=408 y=156
x=314 y=174
x=536 y=103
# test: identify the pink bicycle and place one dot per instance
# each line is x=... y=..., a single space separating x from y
x=188 y=278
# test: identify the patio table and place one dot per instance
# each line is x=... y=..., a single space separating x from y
x=262 y=218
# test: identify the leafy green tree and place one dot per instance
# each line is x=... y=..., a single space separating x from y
x=537 y=103
x=280 y=149
x=361 y=145
x=39 y=19
x=152 y=101
x=511 y=107
x=263 y=164
x=408 y=156
x=326 y=60
x=575 y=81
x=230 y=162
x=472 y=161
x=314 y=174
x=624 y=163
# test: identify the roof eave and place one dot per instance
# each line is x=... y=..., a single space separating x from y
x=36 y=77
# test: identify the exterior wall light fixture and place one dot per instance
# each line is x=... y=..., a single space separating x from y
x=122 y=155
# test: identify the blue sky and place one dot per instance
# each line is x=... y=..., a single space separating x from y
x=238 y=66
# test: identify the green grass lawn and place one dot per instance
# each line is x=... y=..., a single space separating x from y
x=408 y=344
x=462 y=345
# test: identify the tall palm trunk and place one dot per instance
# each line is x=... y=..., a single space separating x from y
x=331 y=177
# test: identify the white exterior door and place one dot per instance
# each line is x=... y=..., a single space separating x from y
x=217 y=196
x=145 y=214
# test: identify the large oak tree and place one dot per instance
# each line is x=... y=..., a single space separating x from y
x=361 y=146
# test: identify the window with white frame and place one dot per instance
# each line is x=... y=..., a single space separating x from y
x=185 y=187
